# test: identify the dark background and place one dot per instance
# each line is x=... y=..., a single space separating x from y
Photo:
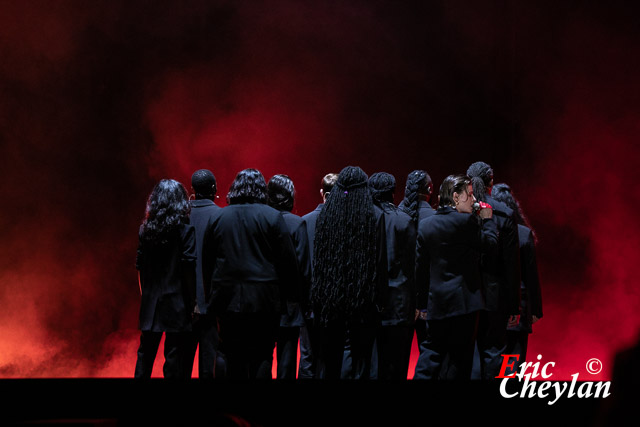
x=99 y=100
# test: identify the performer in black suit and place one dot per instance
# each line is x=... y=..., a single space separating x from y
x=205 y=327
x=417 y=195
x=501 y=275
x=306 y=368
x=349 y=275
x=166 y=262
x=281 y=194
x=394 y=338
x=251 y=263
x=530 y=292
x=449 y=279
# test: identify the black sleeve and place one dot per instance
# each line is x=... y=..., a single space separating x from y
x=530 y=275
x=188 y=262
x=382 y=266
x=286 y=262
x=511 y=264
x=301 y=238
x=423 y=266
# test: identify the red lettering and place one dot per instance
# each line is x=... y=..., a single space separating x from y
x=506 y=364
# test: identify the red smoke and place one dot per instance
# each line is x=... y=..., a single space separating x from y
x=101 y=101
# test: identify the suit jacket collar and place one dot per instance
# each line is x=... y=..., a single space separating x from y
x=445 y=210
x=200 y=203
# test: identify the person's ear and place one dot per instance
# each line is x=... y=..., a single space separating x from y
x=322 y=195
x=456 y=198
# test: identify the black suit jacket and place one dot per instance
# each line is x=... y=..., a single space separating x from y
x=298 y=229
x=310 y=219
x=400 y=233
x=167 y=279
x=250 y=260
x=448 y=274
x=201 y=211
x=530 y=293
x=501 y=269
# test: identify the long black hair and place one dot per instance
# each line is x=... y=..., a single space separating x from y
x=481 y=176
x=503 y=193
x=281 y=193
x=345 y=249
x=248 y=187
x=418 y=183
x=167 y=208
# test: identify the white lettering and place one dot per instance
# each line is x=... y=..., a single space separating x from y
x=544 y=369
x=503 y=389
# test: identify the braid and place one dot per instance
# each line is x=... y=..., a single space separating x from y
x=481 y=175
x=345 y=250
x=382 y=186
x=417 y=182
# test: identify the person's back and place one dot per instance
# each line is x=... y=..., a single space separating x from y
x=253 y=251
x=251 y=263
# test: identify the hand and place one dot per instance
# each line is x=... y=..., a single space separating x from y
x=513 y=320
x=534 y=319
x=486 y=213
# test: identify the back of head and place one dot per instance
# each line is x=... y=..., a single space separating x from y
x=503 y=193
x=280 y=193
x=481 y=176
x=204 y=184
x=328 y=182
x=167 y=208
x=345 y=249
x=418 y=186
x=382 y=186
x=249 y=186
x=452 y=184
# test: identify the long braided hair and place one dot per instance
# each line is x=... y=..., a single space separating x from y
x=167 y=208
x=345 y=250
x=481 y=175
x=418 y=183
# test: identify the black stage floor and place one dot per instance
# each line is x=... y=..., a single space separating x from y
x=108 y=402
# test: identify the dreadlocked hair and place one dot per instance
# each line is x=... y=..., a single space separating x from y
x=382 y=186
x=167 y=208
x=481 y=175
x=418 y=182
x=503 y=193
x=345 y=250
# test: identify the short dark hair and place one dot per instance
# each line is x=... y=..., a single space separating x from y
x=248 y=187
x=452 y=184
x=328 y=181
x=204 y=183
x=280 y=193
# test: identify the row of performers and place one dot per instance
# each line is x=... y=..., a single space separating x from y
x=350 y=282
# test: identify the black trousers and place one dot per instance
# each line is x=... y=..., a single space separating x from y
x=211 y=361
x=517 y=343
x=333 y=338
x=392 y=352
x=492 y=342
x=248 y=340
x=452 y=340
x=287 y=352
x=174 y=354
x=306 y=368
